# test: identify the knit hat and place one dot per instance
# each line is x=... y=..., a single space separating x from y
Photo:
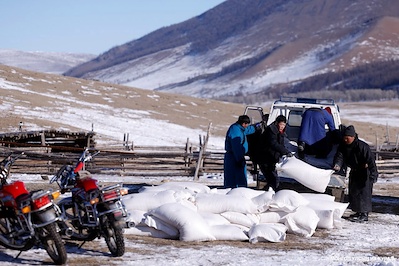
x=350 y=131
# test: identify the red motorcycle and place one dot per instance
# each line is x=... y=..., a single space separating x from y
x=91 y=211
x=29 y=219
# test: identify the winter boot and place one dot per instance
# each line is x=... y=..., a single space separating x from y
x=360 y=217
x=364 y=217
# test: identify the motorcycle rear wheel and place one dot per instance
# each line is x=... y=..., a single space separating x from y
x=53 y=244
x=79 y=232
x=113 y=236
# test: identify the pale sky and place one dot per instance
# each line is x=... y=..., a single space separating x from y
x=88 y=26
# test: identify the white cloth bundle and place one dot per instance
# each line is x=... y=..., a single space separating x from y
x=312 y=177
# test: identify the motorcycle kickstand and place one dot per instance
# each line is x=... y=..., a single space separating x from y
x=80 y=246
x=18 y=255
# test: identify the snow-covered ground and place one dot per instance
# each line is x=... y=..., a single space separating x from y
x=372 y=243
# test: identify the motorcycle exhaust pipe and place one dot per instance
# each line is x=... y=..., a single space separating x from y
x=69 y=232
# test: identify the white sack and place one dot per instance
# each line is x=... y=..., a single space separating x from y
x=326 y=218
x=314 y=197
x=247 y=220
x=188 y=186
x=228 y=232
x=263 y=200
x=191 y=225
x=244 y=192
x=214 y=218
x=136 y=217
x=271 y=217
x=222 y=191
x=147 y=231
x=161 y=225
x=215 y=203
x=183 y=195
x=273 y=232
x=287 y=200
x=312 y=177
x=302 y=222
x=148 y=201
x=333 y=209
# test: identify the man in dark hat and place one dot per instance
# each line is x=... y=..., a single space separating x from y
x=356 y=154
x=272 y=149
x=236 y=146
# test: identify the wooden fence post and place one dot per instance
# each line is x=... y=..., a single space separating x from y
x=200 y=161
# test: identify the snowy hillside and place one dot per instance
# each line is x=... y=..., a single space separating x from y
x=264 y=44
x=56 y=63
x=47 y=101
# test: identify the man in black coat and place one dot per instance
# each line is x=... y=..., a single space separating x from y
x=357 y=155
x=272 y=149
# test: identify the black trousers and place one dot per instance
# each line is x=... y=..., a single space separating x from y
x=270 y=173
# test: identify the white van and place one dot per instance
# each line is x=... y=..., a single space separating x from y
x=293 y=108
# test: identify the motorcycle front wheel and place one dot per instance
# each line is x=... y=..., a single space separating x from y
x=53 y=244
x=113 y=235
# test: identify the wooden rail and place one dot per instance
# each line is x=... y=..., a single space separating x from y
x=125 y=160
x=144 y=162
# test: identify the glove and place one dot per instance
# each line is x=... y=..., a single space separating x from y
x=258 y=126
x=289 y=154
x=336 y=167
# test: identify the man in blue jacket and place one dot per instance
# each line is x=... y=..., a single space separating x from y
x=313 y=138
x=236 y=146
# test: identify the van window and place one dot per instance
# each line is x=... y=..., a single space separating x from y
x=295 y=118
x=293 y=124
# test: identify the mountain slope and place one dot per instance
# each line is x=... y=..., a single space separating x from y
x=247 y=46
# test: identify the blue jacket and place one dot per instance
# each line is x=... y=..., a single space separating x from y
x=236 y=140
x=236 y=146
x=313 y=125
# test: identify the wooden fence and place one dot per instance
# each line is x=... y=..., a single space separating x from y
x=129 y=160
x=145 y=161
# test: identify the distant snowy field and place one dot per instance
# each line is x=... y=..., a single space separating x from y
x=378 y=116
x=56 y=63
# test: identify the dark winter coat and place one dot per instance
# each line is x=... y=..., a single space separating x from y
x=313 y=125
x=272 y=145
x=236 y=146
x=363 y=174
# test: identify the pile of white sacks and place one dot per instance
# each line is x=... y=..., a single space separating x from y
x=194 y=212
